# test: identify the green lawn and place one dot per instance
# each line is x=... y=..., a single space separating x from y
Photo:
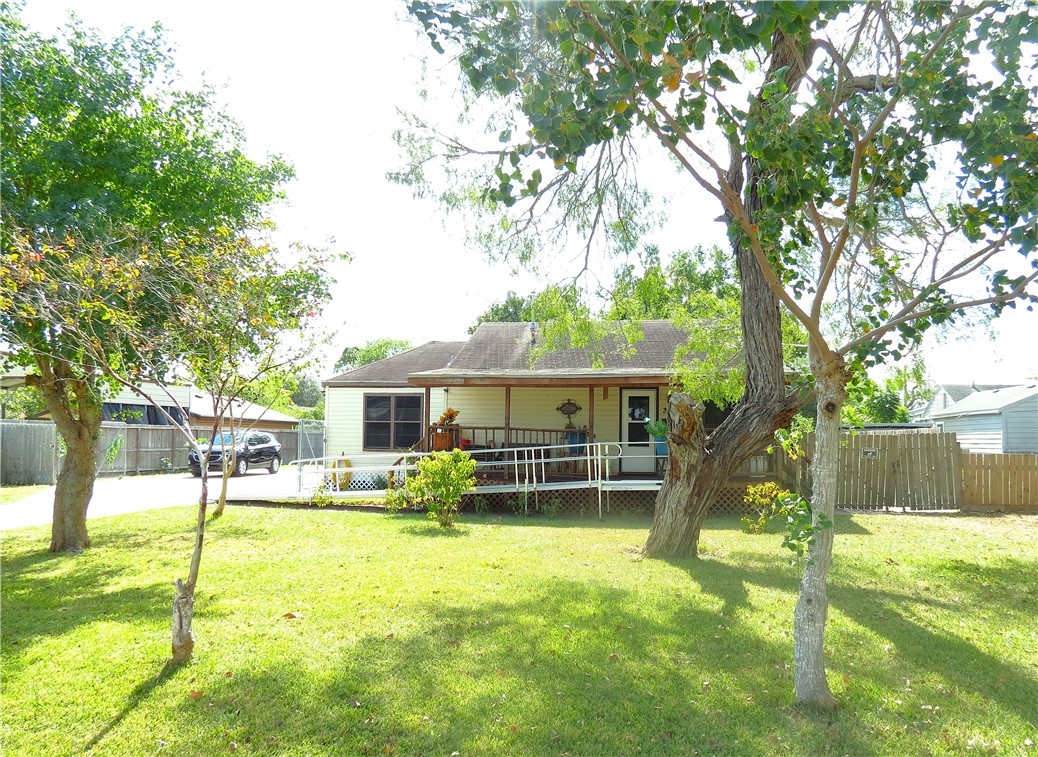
x=9 y=494
x=518 y=637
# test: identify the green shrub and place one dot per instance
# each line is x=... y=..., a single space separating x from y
x=321 y=499
x=550 y=508
x=396 y=500
x=443 y=477
x=481 y=505
x=518 y=504
x=764 y=499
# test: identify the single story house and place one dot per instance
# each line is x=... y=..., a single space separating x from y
x=947 y=395
x=505 y=400
x=998 y=420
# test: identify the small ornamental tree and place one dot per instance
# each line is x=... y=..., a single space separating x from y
x=101 y=152
x=443 y=478
x=233 y=314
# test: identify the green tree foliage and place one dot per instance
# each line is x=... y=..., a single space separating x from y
x=308 y=392
x=232 y=314
x=104 y=155
x=21 y=403
x=375 y=349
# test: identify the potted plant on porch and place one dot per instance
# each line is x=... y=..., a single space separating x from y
x=658 y=431
x=445 y=437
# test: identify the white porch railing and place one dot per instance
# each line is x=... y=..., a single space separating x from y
x=527 y=469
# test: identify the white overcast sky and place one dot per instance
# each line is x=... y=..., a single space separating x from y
x=319 y=82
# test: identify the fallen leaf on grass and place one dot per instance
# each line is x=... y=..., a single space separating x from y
x=228 y=674
x=293 y=615
x=196 y=695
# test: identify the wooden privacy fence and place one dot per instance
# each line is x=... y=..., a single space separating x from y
x=30 y=452
x=918 y=470
x=1000 y=482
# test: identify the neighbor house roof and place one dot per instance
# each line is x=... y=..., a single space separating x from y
x=991 y=401
x=960 y=391
x=503 y=353
x=202 y=409
x=393 y=371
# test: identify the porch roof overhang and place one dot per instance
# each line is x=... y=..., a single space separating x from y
x=538 y=378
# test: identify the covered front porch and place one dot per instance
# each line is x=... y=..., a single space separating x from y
x=557 y=415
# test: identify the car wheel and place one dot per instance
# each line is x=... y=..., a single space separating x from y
x=241 y=466
x=196 y=472
x=275 y=465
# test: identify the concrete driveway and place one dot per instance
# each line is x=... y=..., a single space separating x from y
x=116 y=496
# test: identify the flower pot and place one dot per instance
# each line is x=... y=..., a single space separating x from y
x=443 y=440
x=577 y=439
x=661 y=446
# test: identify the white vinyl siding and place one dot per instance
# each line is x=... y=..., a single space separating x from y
x=977 y=433
x=478 y=406
x=344 y=417
x=1021 y=426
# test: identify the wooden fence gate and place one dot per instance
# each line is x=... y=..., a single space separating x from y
x=918 y=470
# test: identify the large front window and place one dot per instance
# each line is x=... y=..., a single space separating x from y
x=392 y=421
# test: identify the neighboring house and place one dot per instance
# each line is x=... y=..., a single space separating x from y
x=999 y=420
x=503 y=399
x=243 y=413
x=125 y=405
x=947 y=395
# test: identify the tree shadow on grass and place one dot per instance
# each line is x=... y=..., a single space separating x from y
x=919 y=650
x=577 y=668
x=133 y=701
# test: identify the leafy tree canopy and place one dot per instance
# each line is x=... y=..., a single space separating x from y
x=375 y=349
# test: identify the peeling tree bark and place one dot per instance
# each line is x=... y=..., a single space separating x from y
x=767 y=404
x=812 y=609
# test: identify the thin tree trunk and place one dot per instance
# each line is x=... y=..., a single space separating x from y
x=812 y=609
x=184 y=598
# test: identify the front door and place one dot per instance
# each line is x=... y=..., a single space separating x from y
x=636 y=407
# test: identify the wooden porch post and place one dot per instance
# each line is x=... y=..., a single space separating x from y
x=508 y=416
x=428 y=419
x=591 y=413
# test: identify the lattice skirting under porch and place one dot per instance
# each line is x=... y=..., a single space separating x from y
x=584 y=502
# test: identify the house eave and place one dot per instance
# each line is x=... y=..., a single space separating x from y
x=541 y=378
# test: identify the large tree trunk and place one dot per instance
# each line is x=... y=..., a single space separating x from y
x=812 y=608
x=75 y=407
x=767 y=404
x=690 y=479
x=75 y=486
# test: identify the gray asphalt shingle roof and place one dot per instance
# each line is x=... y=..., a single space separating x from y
x=505 y=349
x=988 y=402
x=393 y=371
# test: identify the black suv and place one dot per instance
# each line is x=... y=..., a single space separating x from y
x=255 y=449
